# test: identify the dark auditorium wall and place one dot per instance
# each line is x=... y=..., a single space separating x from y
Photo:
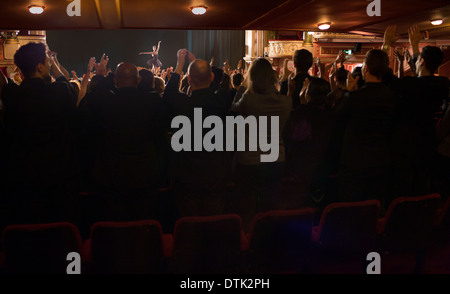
x=76 y=47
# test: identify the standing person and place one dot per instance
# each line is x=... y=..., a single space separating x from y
x=258 y=183
x=199 y=176
x=41 y=126
x=420 y=98
x=368 y=114
x=303 y=61
x=154 y=63
x=126 y=123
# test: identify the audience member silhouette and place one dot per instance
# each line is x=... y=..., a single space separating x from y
x=258 y=184
x=368 y=114
x=41 y=126
x=199 y=185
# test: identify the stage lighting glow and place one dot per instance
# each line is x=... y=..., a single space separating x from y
x=198 y=10
x=36 y=9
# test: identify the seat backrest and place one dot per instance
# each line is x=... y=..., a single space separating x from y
x=207 y=244
x=40 y=248
x=280 y=240
x=349 y=226
x=409 y=221
x=133 y=247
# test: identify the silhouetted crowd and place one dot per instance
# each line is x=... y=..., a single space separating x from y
x=99 y=147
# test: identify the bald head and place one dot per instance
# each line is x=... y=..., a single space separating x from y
x=127 y=75
x=200 y=74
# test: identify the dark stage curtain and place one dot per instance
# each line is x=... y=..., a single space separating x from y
x=221 y=45
x=75 y=47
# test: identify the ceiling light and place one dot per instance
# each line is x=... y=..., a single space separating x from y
x=198 y=10
x=436 y=22
x=324 y=26
x=36 y=9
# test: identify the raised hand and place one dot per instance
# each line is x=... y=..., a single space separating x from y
x=390 y=35
x=407 y=55
x=240 y=66
x=227 y=68
x=91 y=64
x=191 y=56
x=340 y=58
x=181 y=54
x=211 y=62
x=414 y=38
x=56 y=70
x=74 y=75
x=414 y=35
x=100 y=68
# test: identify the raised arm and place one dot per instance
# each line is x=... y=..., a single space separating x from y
x=390 y=37
x=400 y=56
x=414 y=38
x=85 y=81
x=61 y=68
x=157 y=49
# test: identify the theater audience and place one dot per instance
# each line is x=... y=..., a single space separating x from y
x=420 y=99
x=309 y=131
x=303 y=60
x=127 y=124
x=441 y=162
x=368 y=114
x=258 y=183
x=159 y=85
x=109 y=133
x=147 y=83
x=40 y=123
x=236 y=80
x=338 y=77
x=198 y=184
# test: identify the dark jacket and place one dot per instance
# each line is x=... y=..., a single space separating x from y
x=41 y=128
x=368 y=114
x=128 y=127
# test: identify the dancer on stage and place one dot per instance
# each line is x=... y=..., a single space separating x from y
x=154 y=62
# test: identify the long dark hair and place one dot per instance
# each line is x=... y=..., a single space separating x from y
x=262 y=77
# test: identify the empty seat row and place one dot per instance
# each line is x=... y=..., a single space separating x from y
x=280 y=241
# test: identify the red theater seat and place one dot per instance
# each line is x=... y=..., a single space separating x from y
x=345 y=235
x=405 y=233
x=134 y=247
x=208 y=245
x=280 y=241
x=40 y=248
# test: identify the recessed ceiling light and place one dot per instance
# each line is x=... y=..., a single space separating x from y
x=36 y=9
x=436 y=22
x=198 y=10
x=324 y=26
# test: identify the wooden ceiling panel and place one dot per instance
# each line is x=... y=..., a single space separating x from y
x=294 y=15
x=230 y=14
x=14 y=15
x=344 y=15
